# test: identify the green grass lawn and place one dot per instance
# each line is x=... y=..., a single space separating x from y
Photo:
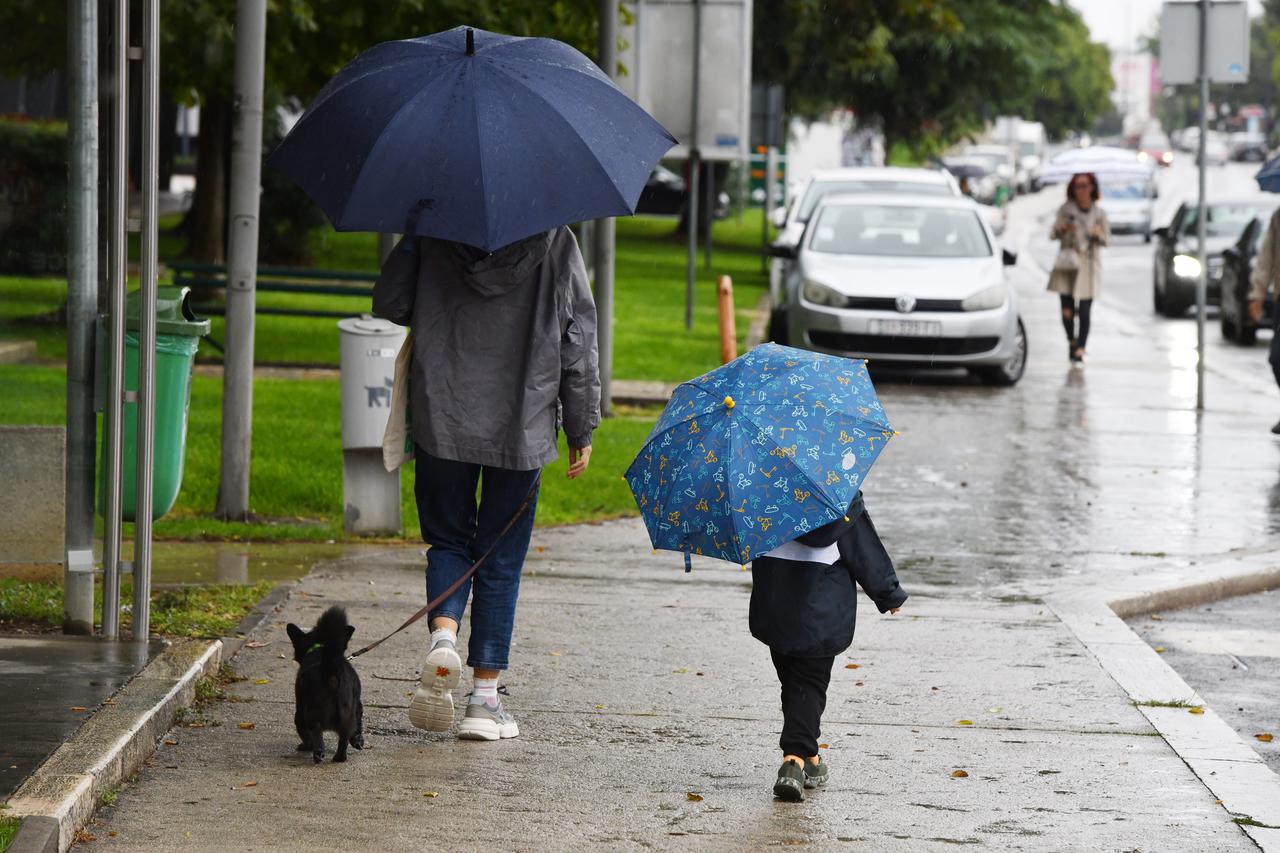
x=650 y=339
x=297 y=459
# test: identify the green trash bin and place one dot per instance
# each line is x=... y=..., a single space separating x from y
x=178 y=333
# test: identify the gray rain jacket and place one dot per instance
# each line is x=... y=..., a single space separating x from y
x=504 y=347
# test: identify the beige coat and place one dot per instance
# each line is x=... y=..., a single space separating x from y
x=1072 y=228
x=1266 y=266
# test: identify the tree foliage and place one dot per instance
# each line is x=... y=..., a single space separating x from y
x=933 y=69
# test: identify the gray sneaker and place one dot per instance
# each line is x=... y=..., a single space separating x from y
x=816 y=775
x=432 y=704
x=484 y=723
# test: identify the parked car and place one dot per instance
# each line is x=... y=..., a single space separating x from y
x=1216 y=152
x=909 y=279
x=1248 y=147
x=664 y=194
x=791 y=221
x=1237 y=264
x=1001 y=159
x=1129 y=203
x=1177 y=267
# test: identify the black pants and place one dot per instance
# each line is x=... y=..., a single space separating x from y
x=804 y=697
x=1275 y=345
x=1070 y=312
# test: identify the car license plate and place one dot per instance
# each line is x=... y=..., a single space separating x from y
x=907 y=328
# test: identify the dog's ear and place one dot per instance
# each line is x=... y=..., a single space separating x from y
x=295 y=633
x=351 y=629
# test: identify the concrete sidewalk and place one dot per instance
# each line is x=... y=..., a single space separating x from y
x=637 y=685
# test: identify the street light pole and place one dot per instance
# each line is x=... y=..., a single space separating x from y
x=82 y=309
x=602 y=243
x=1202 y=281
x=691 y=264
x=242 y=260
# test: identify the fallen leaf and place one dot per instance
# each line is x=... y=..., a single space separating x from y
x=262 y=681
x=250 y=784
x=170 y=743
x=935 y=688
x=248 y=727
x=1265 y=737
x=965 y=722
x=857 y=684
x=555 y=654
x=108 y=701
x=431 y=794
x=852 y=665
x=824 y=746
x=915 y=731
x=1195 y=710
x=257 y=644
x=1217 y=802
x=540 y=549
x=959 y=774
x=78 y=708
x=1159 y=650
x=599 y=707
x=1157 y=617
x=693 y=798
x=282 y=656
x=113 y=833
x=996 y=710
x=681 y=671
x=697 y=673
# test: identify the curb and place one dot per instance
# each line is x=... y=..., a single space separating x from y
x=61 y=795
x=1236 y=775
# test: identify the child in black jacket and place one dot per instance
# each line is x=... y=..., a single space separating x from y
x=803 y=604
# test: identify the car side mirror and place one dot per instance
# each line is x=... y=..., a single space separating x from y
x=1008 y=258
x=1162 y=233
x=1231 y=252
x=779 y=217
x=783 y=250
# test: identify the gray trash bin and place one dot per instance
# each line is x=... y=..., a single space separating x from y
x=367 y=358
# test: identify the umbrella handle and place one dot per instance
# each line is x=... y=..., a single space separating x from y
x=688 y=561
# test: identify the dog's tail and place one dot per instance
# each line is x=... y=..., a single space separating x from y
x=333 y=630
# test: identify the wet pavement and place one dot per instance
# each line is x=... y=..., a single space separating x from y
x=636 y=685
x=60 y=680
x=1229 y=651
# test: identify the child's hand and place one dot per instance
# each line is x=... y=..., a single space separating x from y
x=894 y=610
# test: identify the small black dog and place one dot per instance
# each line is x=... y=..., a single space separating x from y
x=327 y=690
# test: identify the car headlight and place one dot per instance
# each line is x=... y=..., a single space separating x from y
x=985 y=300
x=1186 y=266
x=820 y=294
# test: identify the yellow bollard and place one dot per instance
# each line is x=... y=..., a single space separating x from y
x=728 y=321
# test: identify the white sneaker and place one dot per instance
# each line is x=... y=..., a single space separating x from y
x=484 y=723
x=432 y=705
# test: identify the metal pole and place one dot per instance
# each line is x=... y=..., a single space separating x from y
x=242 y=259
x=82 y=309
x=710 y=201
x=113 y=421
x=691 y=266
x=605 y=231
x=147 y=273
x=1202 y=281
x=771 y=202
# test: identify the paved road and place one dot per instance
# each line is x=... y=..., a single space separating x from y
x=636 y=684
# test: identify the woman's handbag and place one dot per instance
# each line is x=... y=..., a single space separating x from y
x=397 y=438
x=1068 y=260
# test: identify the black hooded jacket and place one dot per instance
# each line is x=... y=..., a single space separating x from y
x=808 y=609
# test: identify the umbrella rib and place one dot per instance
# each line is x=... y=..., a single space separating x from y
x=475 y=117
x=574 y=131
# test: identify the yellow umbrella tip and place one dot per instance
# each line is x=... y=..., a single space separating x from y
x=728 y=402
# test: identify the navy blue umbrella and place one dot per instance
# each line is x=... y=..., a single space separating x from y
x=471 y=136
x=1268 y=176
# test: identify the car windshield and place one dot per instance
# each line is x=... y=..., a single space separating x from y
x=1154 y=143
x=818 y=189
x=1225 y=220
x=1119 y=190
x=899 y=231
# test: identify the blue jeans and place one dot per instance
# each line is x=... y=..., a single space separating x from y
x=459 y=533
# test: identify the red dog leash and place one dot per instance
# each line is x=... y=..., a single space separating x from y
x=453 y=587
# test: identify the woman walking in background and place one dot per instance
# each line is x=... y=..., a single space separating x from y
x=1081 y=228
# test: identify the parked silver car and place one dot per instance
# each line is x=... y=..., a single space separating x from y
x=904 y=278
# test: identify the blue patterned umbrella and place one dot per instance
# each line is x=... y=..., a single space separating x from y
x=758 y=452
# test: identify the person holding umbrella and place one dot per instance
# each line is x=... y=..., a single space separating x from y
x=480 y=148
x=1081 y=228
x=1262 y=280
x=762 y=461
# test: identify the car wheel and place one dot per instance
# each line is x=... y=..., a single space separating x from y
x=1229 y=330
x=1004 y=375
x=778 y=327
x=1171 y=309
x=1157 y=300
x=1247 y=335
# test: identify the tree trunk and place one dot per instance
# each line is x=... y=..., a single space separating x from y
x=209 y=221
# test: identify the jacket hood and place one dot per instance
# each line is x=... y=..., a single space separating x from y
x=492 y=274
x=829 y=534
